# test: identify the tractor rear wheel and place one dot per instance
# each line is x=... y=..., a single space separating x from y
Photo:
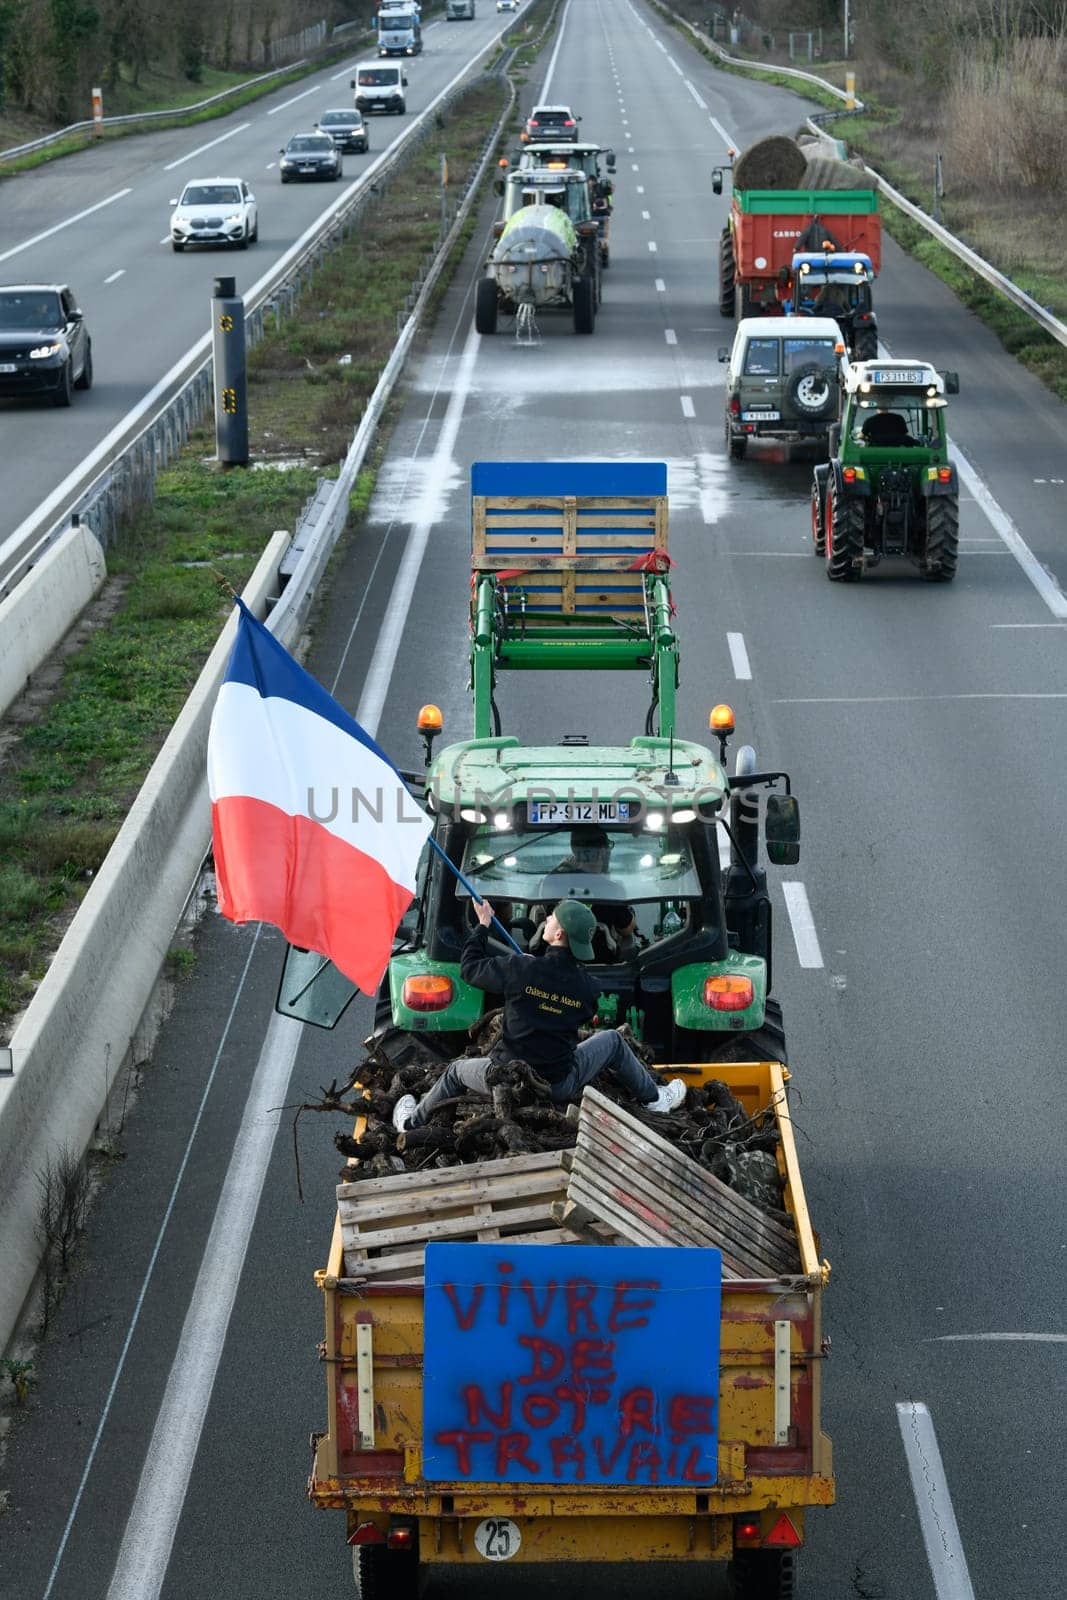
x=818 y=531
x=485 y=306
x=942 y=539
x=843 y=524
x=727 y=275
x=764 y=1574
x=584 y=305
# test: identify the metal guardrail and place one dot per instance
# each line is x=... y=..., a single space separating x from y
x=963 y=252
x=757 y=66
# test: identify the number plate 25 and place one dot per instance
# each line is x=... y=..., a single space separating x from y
x=497 y=1538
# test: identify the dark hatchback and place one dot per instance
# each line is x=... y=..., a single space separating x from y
x=45 y=346
x=310 y=155
x=347 y=129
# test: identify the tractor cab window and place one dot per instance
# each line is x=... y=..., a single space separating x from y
x=642 y=887
x=905 y=423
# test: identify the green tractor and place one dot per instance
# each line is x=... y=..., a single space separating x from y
x=571 y=572
x=889 y=488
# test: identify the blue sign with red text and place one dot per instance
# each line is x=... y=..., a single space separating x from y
x=571 y=1364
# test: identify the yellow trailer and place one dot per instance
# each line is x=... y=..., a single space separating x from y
x=633 y=1487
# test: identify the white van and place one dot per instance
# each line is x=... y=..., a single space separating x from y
x=380 y=88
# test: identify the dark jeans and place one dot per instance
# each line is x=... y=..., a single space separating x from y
x=605 y=1051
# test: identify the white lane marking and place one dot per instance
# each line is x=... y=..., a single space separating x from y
x=687 y=406
x=143 y=1557
x=731 y=144
x=908 y=699
x=739 y=655
x=803 y=924
x=273 y=112
x=165 y=239
x=703 y=104
x=386 y=650
x=652 y=245
x=646 y=216
x=661 y=287
x=153 y=1258
x=630 y=152
x=270 y=166
x=634 y=165
x=677 y=68
x=1039 y=576
x=210 y=146
x=345 y=71
x=1026 y=624
x=640 y=188
x=995 y=1338
x=115 y=276
x=670 y=336
x=555 y=53
x=68 y=222
x=937 y=1519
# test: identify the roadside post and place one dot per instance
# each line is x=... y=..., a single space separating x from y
x=850 y=91
x=230 y=374
x=444 y=194
x=98 y=113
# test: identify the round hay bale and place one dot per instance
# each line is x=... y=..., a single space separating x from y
x=822 y=172
x=776 y=162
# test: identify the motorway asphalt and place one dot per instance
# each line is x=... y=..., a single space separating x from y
x=924 y=728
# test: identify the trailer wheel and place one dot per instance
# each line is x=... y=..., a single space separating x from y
x=818 y=532
x=485 y=306
x=843 y=522
x=584 y=305
x=942 y=540
x=764 y=1575
x=383 y=1574
x=727 y=275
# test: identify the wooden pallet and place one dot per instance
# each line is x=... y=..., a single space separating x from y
x=576 y=554
x=386 y=1223
x=651 y=1193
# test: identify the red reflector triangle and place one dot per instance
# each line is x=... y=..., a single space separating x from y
x=783 y=1533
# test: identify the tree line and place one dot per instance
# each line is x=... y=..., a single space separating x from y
x=53 y=52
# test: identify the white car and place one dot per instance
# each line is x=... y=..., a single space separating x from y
x=507 y=5
x=214 y=211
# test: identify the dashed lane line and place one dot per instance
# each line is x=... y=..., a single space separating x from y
x=809 y=953
x=937 y=1519
x=739 y=655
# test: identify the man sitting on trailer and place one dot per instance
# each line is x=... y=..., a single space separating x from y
x=546 y=1001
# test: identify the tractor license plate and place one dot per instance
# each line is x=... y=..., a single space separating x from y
x=570 y=811
x=761 y=416
x=898 y=375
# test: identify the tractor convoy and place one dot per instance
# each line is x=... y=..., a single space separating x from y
x=594 y=1332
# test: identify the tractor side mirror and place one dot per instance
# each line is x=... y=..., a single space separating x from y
x=952 y=382
x=611 y=160
x=498 y=186
x=724 y=354
x=716 y=180
x=351 y=83
x=782 y=829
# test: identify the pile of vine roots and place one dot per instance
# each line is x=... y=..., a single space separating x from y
x=712 y=1127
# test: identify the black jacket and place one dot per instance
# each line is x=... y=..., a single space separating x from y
x=545 y=1003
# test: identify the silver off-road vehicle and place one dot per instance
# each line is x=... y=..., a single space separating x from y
x=783 y=380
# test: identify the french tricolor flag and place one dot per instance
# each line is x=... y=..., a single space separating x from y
x=314 y=829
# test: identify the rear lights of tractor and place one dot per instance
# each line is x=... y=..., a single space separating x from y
x=427 y=991
x=725 y=993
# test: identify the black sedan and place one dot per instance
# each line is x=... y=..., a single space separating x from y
x=45 y=346
x=310 y=155
x=347 y=129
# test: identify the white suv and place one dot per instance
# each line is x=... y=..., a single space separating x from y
x=214 y=211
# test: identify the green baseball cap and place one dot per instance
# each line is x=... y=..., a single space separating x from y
x=578 y=923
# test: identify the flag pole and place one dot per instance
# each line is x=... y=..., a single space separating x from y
x=472 y=891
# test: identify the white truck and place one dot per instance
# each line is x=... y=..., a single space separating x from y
x=380 y=88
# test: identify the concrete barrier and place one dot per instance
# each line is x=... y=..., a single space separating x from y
x=35 y=616
x=74 y=1038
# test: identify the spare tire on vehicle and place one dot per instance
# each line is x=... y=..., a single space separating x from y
x=812 y=390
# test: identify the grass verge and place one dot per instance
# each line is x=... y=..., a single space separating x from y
x=67 y=781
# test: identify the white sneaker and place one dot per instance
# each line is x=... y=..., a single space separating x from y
x=403 y=1112
x=669 y=1098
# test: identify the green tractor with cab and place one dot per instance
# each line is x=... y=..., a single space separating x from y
x=889 y=489
x=571 y=572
